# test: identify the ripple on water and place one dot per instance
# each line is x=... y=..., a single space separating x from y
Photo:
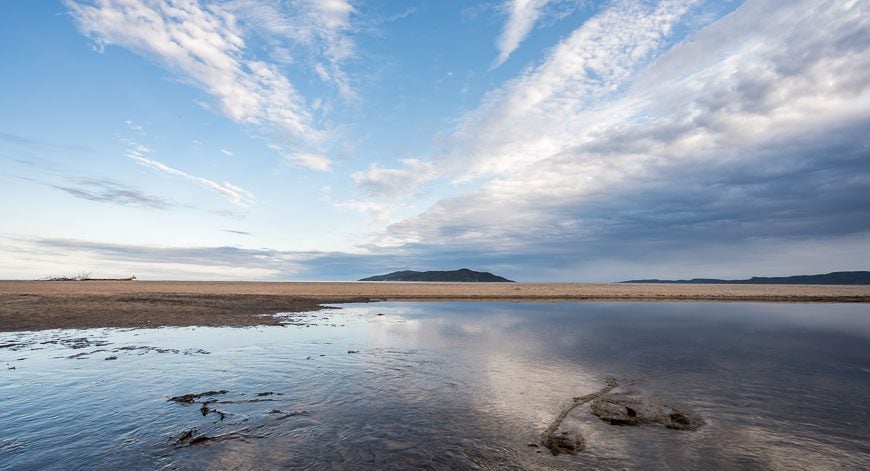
x=444 y=385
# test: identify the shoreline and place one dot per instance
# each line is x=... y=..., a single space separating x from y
x=42 y=305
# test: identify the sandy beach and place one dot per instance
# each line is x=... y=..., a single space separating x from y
x=37 y=305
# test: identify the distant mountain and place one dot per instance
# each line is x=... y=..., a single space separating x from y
x=462 y=275
x=835 y=278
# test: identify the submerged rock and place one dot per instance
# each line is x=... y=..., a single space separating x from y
x=634 y=408
x=190 y=398
x=571 y=442
x=184 y=436
x=617 y=406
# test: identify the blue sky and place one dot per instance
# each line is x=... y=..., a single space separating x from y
x=544 y=140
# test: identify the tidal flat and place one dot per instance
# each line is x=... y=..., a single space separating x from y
x=38 y=305
x=450 y=385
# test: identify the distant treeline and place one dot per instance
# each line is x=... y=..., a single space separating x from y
x=834 y=278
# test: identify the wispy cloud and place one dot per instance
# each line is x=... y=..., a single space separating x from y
x=622 y=149
x=522 y=15
x=136 y=149
x=748 y=136
x=230 y=192
x=35 y=256
x=207 y=262
x=43 y=145
x=176 y=262
x=379 y=213
x=135 y=127
x=322 y=28
x=309 y=161
x=108 y=191
x=226 y=152
x=395 y=182
x=233 y=231
x=204 y=46
x=541 y=112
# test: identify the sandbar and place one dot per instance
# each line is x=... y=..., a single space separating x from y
x=39 y=305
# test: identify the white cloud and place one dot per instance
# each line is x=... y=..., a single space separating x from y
x=321 y=72
x=233 y=194
x=204 y=46
x=143 y=149
x=319 y=26
x=136 y=149
x=332 y=20
x=380 y=214
x=522 y=15
x=133 y=126
x=750 y=131
x=540 y=113
x=310 y=161
x=395 y=182
x=226 y=152
x=281 y=55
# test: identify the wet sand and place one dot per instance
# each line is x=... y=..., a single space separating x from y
x=37 y=305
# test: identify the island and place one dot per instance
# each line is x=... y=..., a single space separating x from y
x=463 y=275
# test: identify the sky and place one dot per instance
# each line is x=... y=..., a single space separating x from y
x=541 y=140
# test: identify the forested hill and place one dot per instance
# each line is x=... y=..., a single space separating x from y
x=834 y=278
x=462 y=275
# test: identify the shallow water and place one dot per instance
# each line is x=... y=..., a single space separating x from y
x=445 y=386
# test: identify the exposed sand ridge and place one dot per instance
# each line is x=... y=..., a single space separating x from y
x=36 y=305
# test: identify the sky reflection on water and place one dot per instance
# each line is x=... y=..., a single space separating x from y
x=447 y=385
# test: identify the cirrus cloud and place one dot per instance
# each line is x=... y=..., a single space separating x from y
x=751 y=134
x=522 y=15
x=232 y=193
x=203 y=45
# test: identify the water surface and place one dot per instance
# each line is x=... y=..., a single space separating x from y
x=445 y=386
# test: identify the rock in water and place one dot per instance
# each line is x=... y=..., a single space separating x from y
x=683 y=419
x=567 y=442
x=634 y=408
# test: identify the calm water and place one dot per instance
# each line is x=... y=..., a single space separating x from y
x=445 y=386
